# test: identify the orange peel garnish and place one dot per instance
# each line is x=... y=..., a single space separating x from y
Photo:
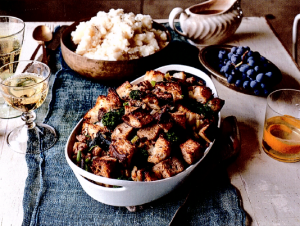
x=272 y=137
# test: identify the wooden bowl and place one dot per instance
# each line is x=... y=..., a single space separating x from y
x=108 y=71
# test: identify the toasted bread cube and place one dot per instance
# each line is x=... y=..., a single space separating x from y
x=113 y=100
x=191 y=117
x=97 y=151
x=79 y=146
x=168 y=168
x=216 y=104
x=160 y=152
x=191 y=81
x=137 y=174
x=81 y=138
x=150 y=132
x=174 y=88
x=163 y=97
x=179 y=118
x=105 y=166
x=166 y=126
x=142 y=175
x=151 y=101
x=137 y=118
x=150 y=176
x=156 y=76
x=105 y=103
x=208 y=132
x=92 y=130
x=122 y=131
x=124 y=90
x=180 y=75
x=191 y=151
x=122 y=150
x=129 y=109
x=200 y=93
x=143 y=86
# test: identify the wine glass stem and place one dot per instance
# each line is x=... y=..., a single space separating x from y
x=28 y=118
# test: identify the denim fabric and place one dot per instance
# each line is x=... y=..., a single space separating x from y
x=53 y=196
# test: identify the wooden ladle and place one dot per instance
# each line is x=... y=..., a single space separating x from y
x=42 y=34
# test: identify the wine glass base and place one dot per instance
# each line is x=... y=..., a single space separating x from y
x=7 y=112
x=32 y=141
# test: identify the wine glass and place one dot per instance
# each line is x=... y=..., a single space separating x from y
x=24 y=85
x=11 y=41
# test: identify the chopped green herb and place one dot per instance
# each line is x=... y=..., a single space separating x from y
x=91 y=148
x=153 y=83
x=144 y=152
x=112 y=118
x=135 y=94
x=172 y=136
x=200 y=108
x=134 y=139
x=78 y=156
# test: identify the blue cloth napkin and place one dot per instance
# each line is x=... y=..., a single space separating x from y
x=53 y=196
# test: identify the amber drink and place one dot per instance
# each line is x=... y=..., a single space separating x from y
x=281 y=134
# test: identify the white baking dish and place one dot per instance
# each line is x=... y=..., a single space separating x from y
x=131 y=193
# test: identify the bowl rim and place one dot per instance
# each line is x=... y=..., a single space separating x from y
x=186 y=172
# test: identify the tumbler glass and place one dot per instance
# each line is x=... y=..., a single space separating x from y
x=281 y=135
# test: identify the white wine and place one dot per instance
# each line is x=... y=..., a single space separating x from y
x=10 y=50
x=25 y=92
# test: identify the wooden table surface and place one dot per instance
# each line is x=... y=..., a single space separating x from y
x=269 y=188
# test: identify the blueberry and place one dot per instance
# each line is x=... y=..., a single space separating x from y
x=263 y=85
x=250 y=73
x=251 y=63
x=257 y=68
x=221 y=55
x=235 y=59
x=228 y=62
x=223 y=51
x=233 y=49
x=250 y=58
x=263 y=59
x=269 y=74
x=260 y=77
x=257 y=92
x=246 y=84
x=246 y=48
x=265 y=91
x=229 y=55
x=230 y=79
x=250 y=53
x=244 y=76
x=256 y=54
x=238 y=83
x=266 y=66
x=254 y=84
x=243 y=68
x=240 y=50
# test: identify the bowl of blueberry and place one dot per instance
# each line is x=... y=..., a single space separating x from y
x=241 y=69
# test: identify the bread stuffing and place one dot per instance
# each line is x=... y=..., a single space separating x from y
x=148 y=131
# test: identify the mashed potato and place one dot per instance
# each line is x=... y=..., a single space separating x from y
x=118 y=36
